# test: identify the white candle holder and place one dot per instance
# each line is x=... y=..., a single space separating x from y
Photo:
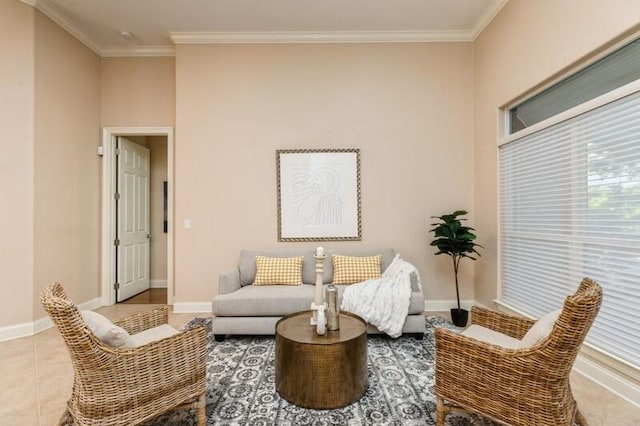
x=318 y=299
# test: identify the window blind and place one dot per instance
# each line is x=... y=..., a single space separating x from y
x=570 y=208
x=614 y=70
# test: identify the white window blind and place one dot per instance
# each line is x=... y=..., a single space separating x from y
x=570 y=208
x=614 y=70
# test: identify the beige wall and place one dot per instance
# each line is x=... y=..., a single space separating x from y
x=408 y=107
x=526 y=44
x=138 y=92
x=16 y=162
x=158 y=249
x=423 y=115
x=67 y=167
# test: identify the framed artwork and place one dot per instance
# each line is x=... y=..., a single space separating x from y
x=318 y=194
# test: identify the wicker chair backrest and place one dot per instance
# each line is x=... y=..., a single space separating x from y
x=571 y=328
x=83 y=347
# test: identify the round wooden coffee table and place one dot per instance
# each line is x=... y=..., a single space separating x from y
x=321 y=372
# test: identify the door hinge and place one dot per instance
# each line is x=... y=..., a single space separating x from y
x=116 y=242
x=116 y=286
x=116 y=196
x=116 y=151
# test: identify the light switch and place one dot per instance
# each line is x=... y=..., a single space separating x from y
x=187 y=224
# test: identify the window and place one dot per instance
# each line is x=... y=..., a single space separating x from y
x=615 y=70
x=570 y=208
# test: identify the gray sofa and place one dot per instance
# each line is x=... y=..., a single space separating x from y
x=242 y=308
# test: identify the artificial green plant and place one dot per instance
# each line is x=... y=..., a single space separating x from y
x=455 y=240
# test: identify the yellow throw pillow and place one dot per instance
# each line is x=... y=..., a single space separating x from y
x=278 y=270
x=350 y=269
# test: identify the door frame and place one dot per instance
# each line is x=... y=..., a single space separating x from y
x=108 y=231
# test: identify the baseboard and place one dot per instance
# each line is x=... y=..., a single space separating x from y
x=158 y=283
x=90 y=305
x=191 y=307
x=25 y=329
x=15 y=331
x=42 y=324
x=608 y=379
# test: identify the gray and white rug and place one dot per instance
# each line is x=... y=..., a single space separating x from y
x=241 y=379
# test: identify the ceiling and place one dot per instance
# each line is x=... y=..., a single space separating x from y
x=155 y=26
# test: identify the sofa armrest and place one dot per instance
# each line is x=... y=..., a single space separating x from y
x=416 y=286
x=229 y=281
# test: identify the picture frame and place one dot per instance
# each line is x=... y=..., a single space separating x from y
x=318 y=195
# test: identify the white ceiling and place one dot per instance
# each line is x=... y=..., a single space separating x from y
x=157 y=25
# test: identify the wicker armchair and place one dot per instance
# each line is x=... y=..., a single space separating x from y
x=516 y=386
x=128 y=386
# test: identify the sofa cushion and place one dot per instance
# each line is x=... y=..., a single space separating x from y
x=257 y=301
x=282 y=300
x=386 y=257
x=355 y=269
x=278 y=270
x=247 y=262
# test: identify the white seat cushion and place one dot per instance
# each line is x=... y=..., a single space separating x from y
x=152 y=334
x=493 y=337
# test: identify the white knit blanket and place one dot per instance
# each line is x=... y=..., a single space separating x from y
x=384 y=301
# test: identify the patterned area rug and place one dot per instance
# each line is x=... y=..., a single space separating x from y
x=242 y=386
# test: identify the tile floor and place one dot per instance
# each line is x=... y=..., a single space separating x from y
x=36 y=377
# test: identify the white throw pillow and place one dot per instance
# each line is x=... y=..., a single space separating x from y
x=541 y=329
x=106 y=331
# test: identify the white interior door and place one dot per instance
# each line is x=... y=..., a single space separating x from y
x=132 y=241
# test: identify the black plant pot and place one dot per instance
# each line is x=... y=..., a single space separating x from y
x=459 y=317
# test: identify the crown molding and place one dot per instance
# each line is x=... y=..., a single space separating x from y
x=487 y=18
x=59 y=19
x=321 y=37
x=115 y=51
x=269 y=37
x=108 y=51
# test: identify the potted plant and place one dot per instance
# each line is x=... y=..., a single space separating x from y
x=456 y=240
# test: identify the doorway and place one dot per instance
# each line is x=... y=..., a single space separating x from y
x=125 y=265
x=133 y=212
